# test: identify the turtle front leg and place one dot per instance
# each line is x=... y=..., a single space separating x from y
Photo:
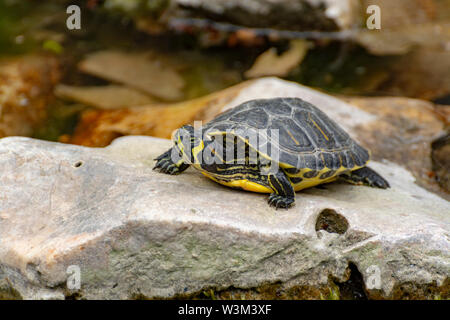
x=165 y=163
x=284 y=194
x=365 y=176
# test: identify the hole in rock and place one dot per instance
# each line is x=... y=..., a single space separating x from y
x=354 y=287
x=331 y=221
x=78 y=164
x=74 y=296
x=440 y=157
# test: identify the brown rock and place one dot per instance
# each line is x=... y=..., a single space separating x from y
x=142 y=71
x=99 y=127
x=422 y=73
x=104 y=97
x=441 y=161
x=26 y=85
x=403 y=133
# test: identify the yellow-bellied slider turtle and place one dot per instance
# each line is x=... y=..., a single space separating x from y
x=275 y=146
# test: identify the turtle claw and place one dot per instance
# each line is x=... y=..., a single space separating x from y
x=172 y=169
x=366 y=176
x=160 y=157
x=278 y=201
x=382 y=184
x=165 y=164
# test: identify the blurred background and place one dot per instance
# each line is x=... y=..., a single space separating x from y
x=108 y=68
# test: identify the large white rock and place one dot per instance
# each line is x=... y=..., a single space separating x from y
x=132 y=231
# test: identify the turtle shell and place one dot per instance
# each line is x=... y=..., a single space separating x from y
x=298 y=133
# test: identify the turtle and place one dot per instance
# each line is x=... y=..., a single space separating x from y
x=276 y=146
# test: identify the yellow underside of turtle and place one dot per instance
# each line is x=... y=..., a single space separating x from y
x=256 y=187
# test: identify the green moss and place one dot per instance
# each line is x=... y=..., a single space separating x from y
x=209 y=294
x=437 y=297
x=332 y=295
x=7 y=292
x=52 y=46
x=331 y=291
x=414 y=291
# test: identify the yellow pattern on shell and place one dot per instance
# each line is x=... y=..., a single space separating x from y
x=308 y=183
x=311 y=182
x=243 y=183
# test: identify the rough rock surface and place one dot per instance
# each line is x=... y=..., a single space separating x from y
x=134 y=232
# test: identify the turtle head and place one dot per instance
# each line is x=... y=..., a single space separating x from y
x=185 y=141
